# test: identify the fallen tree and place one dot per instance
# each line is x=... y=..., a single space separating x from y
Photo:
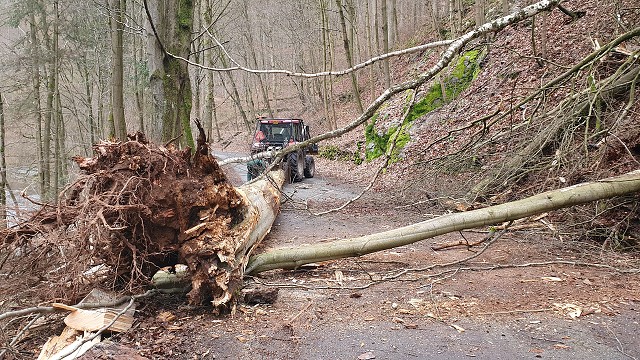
x=291 y=258
x=138 y=207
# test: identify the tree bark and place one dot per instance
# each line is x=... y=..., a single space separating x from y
x=385 y=44
x=326 y=93
x=117 y=8
x=3 y=169
x=171 y=24
x=35 y=81
x=348 y=53
x=393 y=26
x=291 y=258
x=56 y=105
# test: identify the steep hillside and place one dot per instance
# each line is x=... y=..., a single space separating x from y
x=465 y=144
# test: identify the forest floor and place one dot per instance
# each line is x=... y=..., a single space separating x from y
x=388 y=306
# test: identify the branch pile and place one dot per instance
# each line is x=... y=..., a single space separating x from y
x=137 y=207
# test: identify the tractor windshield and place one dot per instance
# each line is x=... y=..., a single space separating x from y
x=274 y=133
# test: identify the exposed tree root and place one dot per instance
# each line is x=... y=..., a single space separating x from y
x=136 y=207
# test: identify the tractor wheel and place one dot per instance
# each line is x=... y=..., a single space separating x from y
x=309 y=167
x=296 y=167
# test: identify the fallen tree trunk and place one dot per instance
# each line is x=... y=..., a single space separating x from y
x=291 y=258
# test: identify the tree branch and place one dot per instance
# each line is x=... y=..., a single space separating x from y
x=454 y=47
x=51 y=309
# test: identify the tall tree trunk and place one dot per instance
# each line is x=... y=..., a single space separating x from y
x=209 y=103
x=479 y=9
x=117 y=8
x=385 y=44
x=348 y=52
x=369 y=40
x=138 y=54
x=100 y=121
x=393 y=26
x=325 y=62
x=214 y=112
x=352 y=17
x=89 y=100
x=55 y=100
x=171 y=26
x=435 y=18
x=49 y=110
x=3 y=169
x=35 y=81
x=60 y=170
x=376 y=25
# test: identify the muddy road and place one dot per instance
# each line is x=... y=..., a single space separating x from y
x=391 y=305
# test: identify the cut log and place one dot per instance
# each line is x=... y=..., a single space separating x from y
x=291 y=258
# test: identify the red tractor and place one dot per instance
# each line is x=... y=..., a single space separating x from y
x=276 y=134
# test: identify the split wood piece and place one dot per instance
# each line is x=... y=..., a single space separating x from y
x=68 y=338
x=92 y=320
x=95 y=319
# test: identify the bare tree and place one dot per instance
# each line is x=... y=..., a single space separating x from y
x=116 y=18
x=43 y=175
x=348 y=50
x=251 y=50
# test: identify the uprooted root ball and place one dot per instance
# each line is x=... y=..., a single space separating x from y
x=130 y=212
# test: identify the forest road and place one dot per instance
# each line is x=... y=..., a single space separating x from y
x=345 y=310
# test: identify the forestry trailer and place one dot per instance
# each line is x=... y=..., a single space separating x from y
x=276 y=134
